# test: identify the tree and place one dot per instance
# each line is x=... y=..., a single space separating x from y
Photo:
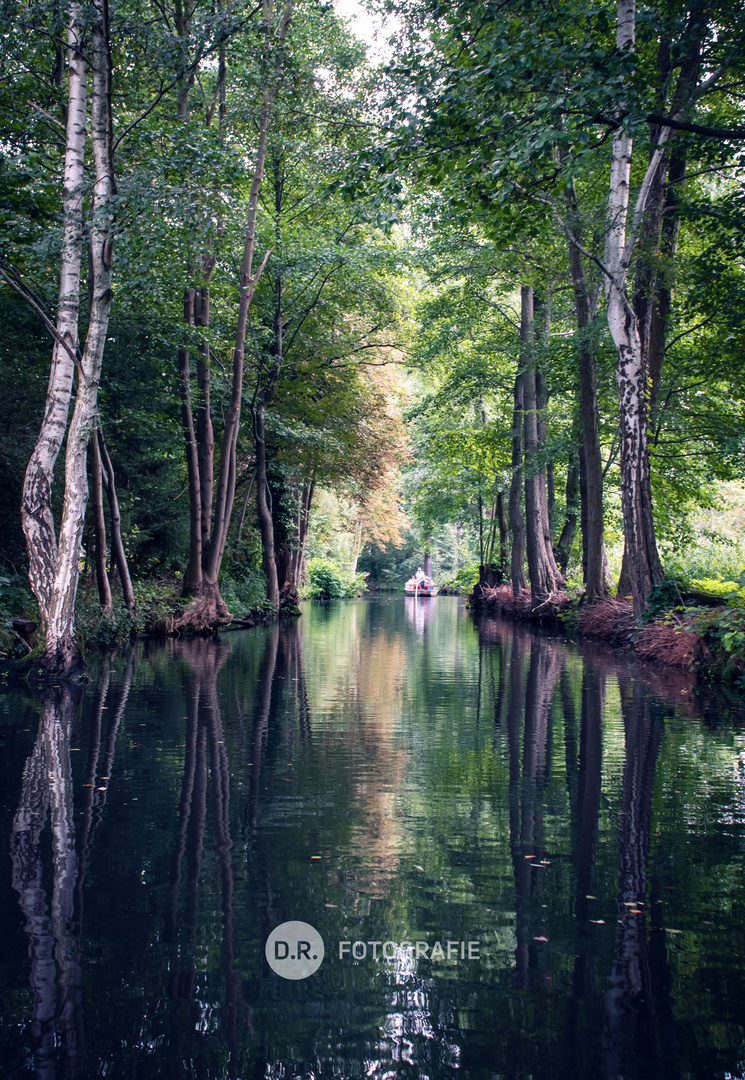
x=54 y=560
x=207 y=545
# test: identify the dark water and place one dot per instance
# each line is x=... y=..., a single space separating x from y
x=387 y=771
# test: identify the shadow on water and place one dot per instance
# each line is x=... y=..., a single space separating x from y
x=390 y=773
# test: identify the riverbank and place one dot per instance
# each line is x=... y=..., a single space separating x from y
x=706 y=638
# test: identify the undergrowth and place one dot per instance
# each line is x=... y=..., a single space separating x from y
x=329 y=581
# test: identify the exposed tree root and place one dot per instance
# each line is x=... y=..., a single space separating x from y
x=206 y=613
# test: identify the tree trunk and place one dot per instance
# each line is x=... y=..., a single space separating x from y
x=61 y=650
x=645 y=568
x=117 y=543
x=542 y=570
x=662 y=308
x=193 y=575
x=297 y=559
x=36 y=505
x=546 y=473
x=208 y=611
x=266 y=525
x=504 y=536
x=591 y=457
x=205 y=433
x=517 y=522
x=569 y=529
x=99 y=526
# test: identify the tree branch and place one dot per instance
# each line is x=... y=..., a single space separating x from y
x=12 y=278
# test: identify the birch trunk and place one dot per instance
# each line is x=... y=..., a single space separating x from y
x=61 y=651
x=645 y=568
x=36 y=504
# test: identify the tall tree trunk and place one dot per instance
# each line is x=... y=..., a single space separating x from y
x=205 y=434
x=504 y=536
x=569 y=528
x=546 y=472
x=542 y=570
x=99 y=525
x=297 y=561
x=266 y=526
x=269 y=376
x=591 y=462
x=117 y=542
x=208 y=610
x=61 y=650
x=36 y=505
x=193 y=575
x=517 y=521
x=662 y=308
x=645 y=568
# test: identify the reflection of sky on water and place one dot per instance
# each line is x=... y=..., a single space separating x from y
x=419 y=611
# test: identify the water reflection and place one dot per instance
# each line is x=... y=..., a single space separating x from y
x=385 y=775
x=53 y=924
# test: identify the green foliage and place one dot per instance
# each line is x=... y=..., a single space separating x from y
x=16 y=601
x=97 y=629
x=663 y=597
x=463 y=581
x=722 y=632
x=329 y=581
x=725 y=590
x=242 y=587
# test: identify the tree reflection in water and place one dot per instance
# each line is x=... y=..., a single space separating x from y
x=381 y=779
x=54 y=928
x=633 y=1034
x=205 y=755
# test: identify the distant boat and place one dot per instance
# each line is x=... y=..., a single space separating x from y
x=420 y=585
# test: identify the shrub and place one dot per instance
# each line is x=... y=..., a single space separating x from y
x=16 y=601
x=242 y=587
x=328 y=581
x=463 y=581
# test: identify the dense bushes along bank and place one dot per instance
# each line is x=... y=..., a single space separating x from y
x=706 y=637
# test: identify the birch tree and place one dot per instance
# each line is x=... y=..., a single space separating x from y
x=54 y=560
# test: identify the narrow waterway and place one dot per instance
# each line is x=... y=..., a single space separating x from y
x=524 y=858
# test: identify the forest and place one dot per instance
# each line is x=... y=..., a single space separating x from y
x=284 y=316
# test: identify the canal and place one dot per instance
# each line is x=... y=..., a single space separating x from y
x=515 y=858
